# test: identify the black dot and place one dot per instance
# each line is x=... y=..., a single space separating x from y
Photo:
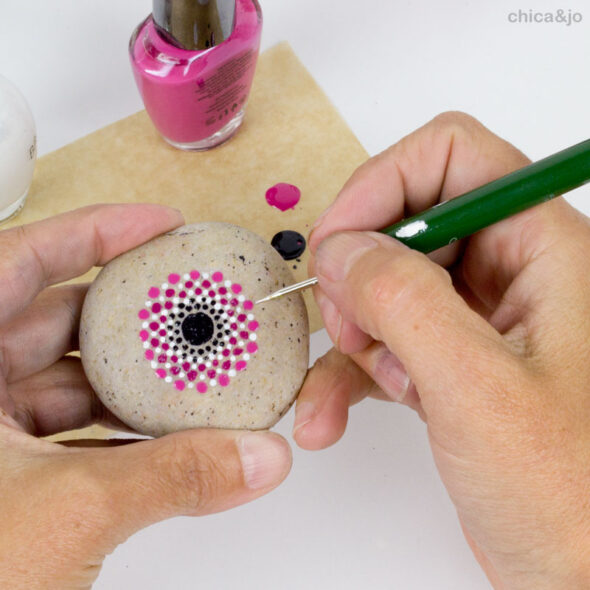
x=289 y=244
x=201 y=352
x=181 y=305
x=197 y=328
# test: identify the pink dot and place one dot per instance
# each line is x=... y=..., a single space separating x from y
x=241 y=318
x=233 y=340
x=223 y=380
x=175 y=370
x=162 y=332
x=201 y=387
x=188 y=284
x=182 y=294
x=154 y=292
x=144 y=314
x=168 y=305
x=234 y=302
x=224 y=301
x=244 y=335
x=283 y=196
x=156 y=308
x=241 y=365
x=225 y=352
x=154 y=326
x=226 y=366
x=155 y=342
x=230 y=312
x=222 y=290
x=198 y=291
x=211 y=293
x=252 y=347
x=149 y=355
x=161 y=373
x=201 y=368
x=174 y=358
x=144 y=335
x=238 y=351
x=206 y=284
x=165 y=346
x=186 y=367
x=217 y=277
x=170 y=292
x=248 y=305
x=215 y=363
x=236 y=288
x=195 y=274
x=211 y=373
x=162 y=358
x=173 y=278
x=234 y=326
x=191 y=375
x=180 y=385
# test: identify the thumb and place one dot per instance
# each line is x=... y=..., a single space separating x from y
x=191 y=473
x=401 y=298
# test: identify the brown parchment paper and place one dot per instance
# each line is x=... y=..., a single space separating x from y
x=291 y=133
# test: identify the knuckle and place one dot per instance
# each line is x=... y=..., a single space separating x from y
x=190 y=476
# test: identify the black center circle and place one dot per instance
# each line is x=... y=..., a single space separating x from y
x=197 y=328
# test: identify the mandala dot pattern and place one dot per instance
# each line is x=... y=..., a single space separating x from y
x=198 y=330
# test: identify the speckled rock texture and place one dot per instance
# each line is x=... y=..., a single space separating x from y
x=170 y=338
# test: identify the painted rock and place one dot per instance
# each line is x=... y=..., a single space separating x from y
x=170 y=337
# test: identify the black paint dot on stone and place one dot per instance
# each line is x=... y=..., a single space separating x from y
x=177 y=331
x=201 y=352
x=179 y=340
x=181 y=305
x=180 y=315
x=227 y=332
x=289 y=244
x=208 y=348
x=219 y=326
x=197 y=328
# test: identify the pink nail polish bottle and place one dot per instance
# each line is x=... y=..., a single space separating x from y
x=193 y=62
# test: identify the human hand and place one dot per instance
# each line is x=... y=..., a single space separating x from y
x=65 y=507
x=492 y=353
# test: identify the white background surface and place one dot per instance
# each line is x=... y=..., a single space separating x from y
x=370 y=512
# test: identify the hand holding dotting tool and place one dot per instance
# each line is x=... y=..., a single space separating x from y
x=477 y=209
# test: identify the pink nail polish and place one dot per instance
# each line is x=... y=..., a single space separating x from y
x=194 y=61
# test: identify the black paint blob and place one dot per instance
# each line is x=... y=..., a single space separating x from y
x=197 y=328
x=289 y=244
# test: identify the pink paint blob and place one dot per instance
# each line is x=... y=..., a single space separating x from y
x=149 y=355
x=195 y=274
x=161 y=373
x=180 y=385
x=154 y=292
x=252 y=347
x=144 y=335
x=223 y=380
x=201 y=387
x=253 y=326
x=241 y=365
x=236 y=288
x=144 y=314
x=217 y=277
x=173 y=278
x=248 y=305
x=283 y=196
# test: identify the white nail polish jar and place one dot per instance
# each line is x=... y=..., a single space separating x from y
x=18 y=149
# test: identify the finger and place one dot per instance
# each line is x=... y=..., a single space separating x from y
x=189 y=473
x=333 y=384
x=399 y=297
x=65 y=246
x=58 y=399
x=43 y=333
x=450 y=155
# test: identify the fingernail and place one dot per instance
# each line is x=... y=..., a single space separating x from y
x=304 y=413
x=331 y=316
x=265 y=459
x=321 y=218
x=391 y=376
x=337 y=253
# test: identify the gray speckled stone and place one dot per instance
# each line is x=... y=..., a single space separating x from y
x=250 y=389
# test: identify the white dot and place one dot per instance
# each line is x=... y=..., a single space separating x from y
x=246 y=357
x=232 y=358
x=163 y=339
x=161 y=299
x=167 y=365
x=168 y=379
x=148 y=303
x=158 y=350
x=252 y=336
x=186 y=276
x=219 y=357
x=145 y=325
x=231 y=373
x=241 y=343
x=164 y=286
x=234 y=334
x=226 y=338
x=176 y=301
x=199 y=361
x=242 y=326
x=154 y=365
x=175 y=310
x=193 y=366
x=241 y=298
x=181 y=376
x=224 y=316
x=146 y=344
x=208 y=364
x=213 y=383
x=250 y=316
x=202 y=377
x=227 y=283
x=205 y=275
x=191 y=385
